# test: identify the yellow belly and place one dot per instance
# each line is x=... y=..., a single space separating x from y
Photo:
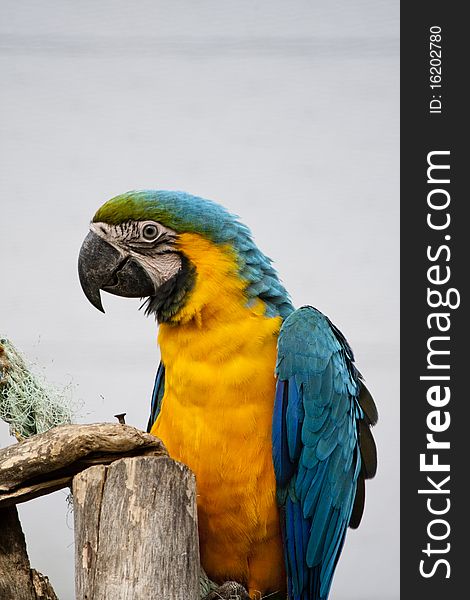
x=216 y=417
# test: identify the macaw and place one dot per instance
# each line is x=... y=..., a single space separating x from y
x=263 y=402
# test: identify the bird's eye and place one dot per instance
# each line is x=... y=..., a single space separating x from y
x=150 y=232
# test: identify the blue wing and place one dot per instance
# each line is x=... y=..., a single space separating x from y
x=157 y=395
x=322 y=448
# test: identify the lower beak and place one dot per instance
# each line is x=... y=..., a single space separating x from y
x=103 y=267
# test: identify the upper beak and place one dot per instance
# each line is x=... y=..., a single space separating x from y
x=103 y=267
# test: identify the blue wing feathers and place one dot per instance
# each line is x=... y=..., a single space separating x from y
x=314 y=424
x=290 y=540
x=330 y=562
x=282 y=461
x=157 y=395
x=294 y=417
x=309 y=501
x=326 y=445
x=316 y=447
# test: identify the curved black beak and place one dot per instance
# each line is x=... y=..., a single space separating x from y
x=103 y=267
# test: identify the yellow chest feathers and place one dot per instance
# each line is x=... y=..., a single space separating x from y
x=216 y=414
x=219 y=358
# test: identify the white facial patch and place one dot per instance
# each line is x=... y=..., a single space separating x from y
x=148 y=242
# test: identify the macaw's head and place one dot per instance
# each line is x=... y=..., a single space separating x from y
x=178 y=251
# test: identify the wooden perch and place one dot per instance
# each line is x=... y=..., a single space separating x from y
x=135 y=514
x=48 y=462
x=136 y=531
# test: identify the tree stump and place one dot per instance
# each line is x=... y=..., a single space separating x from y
x=136 y=531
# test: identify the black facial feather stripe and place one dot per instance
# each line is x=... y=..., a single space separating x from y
x=172 y=295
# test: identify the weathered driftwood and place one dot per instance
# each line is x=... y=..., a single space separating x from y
x=136 y=531
x=17 y=580
x=48 y=461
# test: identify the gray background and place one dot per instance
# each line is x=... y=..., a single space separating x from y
x=287 y=113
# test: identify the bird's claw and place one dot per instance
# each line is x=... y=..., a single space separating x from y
x=229 y=591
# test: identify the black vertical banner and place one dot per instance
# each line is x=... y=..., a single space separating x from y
x=435 y=258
